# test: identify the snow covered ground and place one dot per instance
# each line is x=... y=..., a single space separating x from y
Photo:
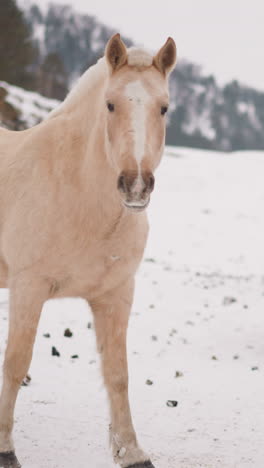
x=198 y=310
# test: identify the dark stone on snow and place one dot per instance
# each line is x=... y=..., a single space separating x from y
x=172 y=403
x=149 y=382
x=54 y=351
x=46 y=335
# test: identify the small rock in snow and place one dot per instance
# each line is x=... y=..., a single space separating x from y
x=46 y=335
x=178 y=374
x=189 y=322
x=68 y=333
x=154 y=338
x=254 y=368
x=149 y=382
x=54 y=351
x=228 y=300
x=172 y=403
x=75 y=356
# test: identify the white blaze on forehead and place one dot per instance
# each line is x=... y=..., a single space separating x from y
x=139 y=97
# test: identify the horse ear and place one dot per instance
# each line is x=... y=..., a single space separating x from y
x=165 y=60
x=115 y=52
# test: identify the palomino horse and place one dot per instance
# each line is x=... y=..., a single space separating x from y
x=73 y=193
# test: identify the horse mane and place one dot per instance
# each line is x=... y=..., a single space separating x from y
x=136 y=57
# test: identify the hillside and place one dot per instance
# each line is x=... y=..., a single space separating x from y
x=21 y=109
x=202 y=114
x=206 y=115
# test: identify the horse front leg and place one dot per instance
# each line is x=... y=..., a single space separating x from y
x=111 y=314
x=27 y=296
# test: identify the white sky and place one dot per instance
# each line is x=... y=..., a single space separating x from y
x=225 y=36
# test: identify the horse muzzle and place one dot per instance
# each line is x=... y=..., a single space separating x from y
x=136 y=206
x=135 y=189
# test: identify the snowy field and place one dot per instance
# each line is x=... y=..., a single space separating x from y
x=198 y=312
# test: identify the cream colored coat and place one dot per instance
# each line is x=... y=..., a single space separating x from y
x=68 y=229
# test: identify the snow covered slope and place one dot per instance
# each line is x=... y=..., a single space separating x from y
x=31 y=107
x=198 y=311
x=203 y=114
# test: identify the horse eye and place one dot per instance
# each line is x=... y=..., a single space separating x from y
x=163 y=110
x=110 y=107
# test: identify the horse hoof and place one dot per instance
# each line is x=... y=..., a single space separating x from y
x=26 y=381
x=9 y=460
x=146 y=464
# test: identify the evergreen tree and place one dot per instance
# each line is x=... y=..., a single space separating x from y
x=51 y=81
x=16 y=50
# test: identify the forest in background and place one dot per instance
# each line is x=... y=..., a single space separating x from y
x=47 y=51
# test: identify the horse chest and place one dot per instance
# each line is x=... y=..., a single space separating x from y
x=102 y=265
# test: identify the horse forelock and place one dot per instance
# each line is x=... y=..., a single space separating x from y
x=137 y=57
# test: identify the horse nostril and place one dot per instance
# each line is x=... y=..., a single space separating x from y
x=121 y=183
x=151 y=182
